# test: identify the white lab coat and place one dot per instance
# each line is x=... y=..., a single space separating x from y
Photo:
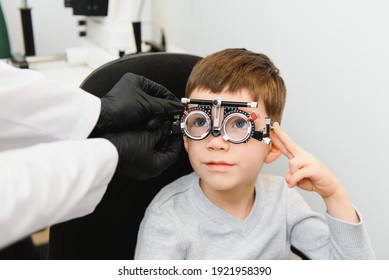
x=49 y=172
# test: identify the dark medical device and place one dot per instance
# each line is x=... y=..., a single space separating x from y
x=88 y=7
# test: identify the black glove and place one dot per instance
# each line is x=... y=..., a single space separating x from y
x=133 y=102
x=145 y=154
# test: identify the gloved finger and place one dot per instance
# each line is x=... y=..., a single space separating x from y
x=166 y=148
x=152 y=88
x=160 y=136
x=166 y=137
x=162 y=107
x=165 y=123
x=175 y=146
x=166 y=128
x=154 y=123
x=170 y=155
x=172 y=144
x=153 y=138
x=163 y=101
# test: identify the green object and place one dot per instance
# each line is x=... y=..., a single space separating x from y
x=5 y=51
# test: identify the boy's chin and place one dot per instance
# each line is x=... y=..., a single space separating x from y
x=218 y=184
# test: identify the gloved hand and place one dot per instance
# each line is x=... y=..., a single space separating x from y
x=132 y=103
x=144 y=154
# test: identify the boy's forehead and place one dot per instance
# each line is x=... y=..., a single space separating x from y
x=240 y=96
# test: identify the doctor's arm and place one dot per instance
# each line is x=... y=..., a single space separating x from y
x=49 y=183
x=35 y=109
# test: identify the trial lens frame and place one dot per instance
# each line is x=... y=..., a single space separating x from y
x=229 y=107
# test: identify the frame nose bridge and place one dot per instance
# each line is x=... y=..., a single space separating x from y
x=215 y=132
x=217 y=117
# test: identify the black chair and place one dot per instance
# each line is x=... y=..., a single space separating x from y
x=110 y=232
x=23 y=249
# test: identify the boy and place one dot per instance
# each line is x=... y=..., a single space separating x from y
x=225 y=209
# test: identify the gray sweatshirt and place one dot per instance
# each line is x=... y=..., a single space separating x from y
x=182 y=223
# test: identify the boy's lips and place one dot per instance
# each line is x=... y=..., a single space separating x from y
x=218 y=165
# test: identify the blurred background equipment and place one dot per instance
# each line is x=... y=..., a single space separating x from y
x=108 y=29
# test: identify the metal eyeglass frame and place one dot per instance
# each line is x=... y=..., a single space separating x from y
x=231 y=108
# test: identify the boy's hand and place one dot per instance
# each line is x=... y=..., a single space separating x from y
x=309 y=174
x=306 y=171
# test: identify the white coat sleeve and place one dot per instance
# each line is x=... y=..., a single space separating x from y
x=49 y=183
x=35 y=109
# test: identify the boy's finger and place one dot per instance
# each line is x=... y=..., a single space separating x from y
x=286 y=140
x=277 y=142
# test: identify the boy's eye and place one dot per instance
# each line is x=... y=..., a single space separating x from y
x=238 y=123
x=200 y=122
x=241 y=124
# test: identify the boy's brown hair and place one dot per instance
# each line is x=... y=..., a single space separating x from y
x=233 y=70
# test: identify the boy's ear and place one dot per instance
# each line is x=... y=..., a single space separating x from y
x=273 y=154
x=185 y=142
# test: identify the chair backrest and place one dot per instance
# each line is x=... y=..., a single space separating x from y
x=110 y=232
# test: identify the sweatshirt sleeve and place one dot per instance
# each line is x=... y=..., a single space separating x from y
x=350 y=241
x=320 y=237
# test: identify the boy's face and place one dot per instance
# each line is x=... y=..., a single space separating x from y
x=222 y=165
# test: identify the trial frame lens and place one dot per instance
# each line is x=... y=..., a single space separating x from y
x=237 y=127
x=197 y=124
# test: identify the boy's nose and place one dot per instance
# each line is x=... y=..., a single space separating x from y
x=216 y=142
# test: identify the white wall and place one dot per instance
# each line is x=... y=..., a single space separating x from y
x=55 y=28
x=334 y=58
